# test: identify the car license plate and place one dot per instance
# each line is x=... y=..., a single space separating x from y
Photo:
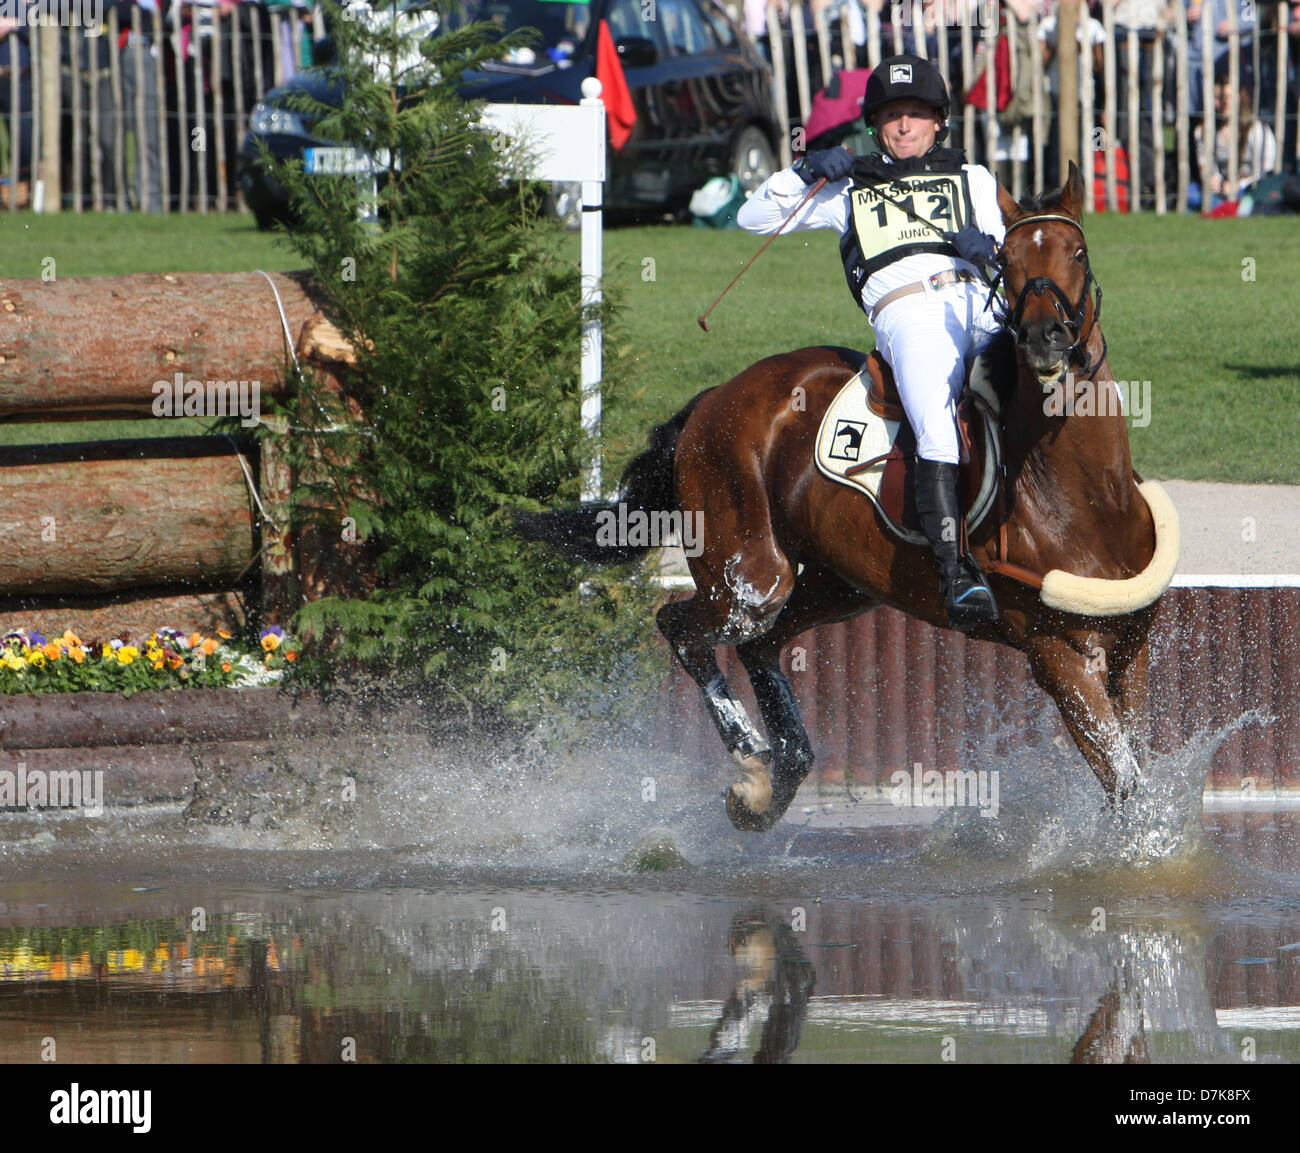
x=335 y=161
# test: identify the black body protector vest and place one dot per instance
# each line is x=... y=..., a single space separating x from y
x=902 y=207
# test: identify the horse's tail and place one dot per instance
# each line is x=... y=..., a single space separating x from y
x=647 y=486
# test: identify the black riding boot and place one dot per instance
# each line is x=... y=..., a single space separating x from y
x=969 y=599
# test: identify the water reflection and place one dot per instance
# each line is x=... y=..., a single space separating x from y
x=514 y=973
x=775 y=982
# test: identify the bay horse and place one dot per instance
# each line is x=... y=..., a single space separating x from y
x=1077 y=553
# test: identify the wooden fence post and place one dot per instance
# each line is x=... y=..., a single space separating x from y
x=158 y=55
x=77 y=43
x=777 y=47
x=1158 y=119
x=1109 y=116
x=51 y=110
x=1283 y=18
x=1182 y=107
x=799 y=42
x=1088 y=102
x=1207 y=107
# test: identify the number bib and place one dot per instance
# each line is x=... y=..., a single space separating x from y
x=885 y=216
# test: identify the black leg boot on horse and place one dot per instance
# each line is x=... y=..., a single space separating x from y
x=967 y=596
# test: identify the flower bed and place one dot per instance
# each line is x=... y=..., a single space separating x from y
x=168 y=659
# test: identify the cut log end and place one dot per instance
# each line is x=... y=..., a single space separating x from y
x=322 y=342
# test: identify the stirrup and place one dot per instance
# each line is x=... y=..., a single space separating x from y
x=975 y=605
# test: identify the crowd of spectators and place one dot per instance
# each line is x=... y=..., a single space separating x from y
x=173 y=53
x=1258 y=26
x=180 y=64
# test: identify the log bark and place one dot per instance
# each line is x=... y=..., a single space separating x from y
x=78 y=346
x=104 y=617
x=114 y=515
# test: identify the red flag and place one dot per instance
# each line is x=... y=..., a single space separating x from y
x=619 y=109
x=978 y=97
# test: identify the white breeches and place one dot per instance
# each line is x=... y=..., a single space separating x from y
x=928 y=340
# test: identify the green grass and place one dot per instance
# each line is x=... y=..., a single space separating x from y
x=1218 y=350
x=110 y=244
x=1221 y=353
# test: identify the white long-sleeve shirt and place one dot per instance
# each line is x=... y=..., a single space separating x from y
x=773 y=201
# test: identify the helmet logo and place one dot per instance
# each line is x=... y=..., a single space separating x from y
x=900 y=74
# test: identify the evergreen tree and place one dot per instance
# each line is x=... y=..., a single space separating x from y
x=466 y=321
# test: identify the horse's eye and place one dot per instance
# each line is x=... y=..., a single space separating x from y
x=1081 y=254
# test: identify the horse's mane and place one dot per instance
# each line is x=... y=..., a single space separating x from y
x=1041 y=201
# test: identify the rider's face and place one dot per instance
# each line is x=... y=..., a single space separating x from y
x=907 y=127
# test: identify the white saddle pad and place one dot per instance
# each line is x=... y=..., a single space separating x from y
x=851 y=434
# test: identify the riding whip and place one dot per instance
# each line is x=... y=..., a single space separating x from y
x=703 y=320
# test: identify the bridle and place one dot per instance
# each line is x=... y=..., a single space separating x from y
x=1072 y=315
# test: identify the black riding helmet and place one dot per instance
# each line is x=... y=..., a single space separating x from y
x=906 y=78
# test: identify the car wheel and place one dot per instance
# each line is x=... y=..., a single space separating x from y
x=752 y=160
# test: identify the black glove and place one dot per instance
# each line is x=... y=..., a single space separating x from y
x=973 y=245
x=831 y=163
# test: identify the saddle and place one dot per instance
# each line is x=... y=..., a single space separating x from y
x=867 y=443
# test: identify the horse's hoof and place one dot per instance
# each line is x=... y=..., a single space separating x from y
x=744 y=818
x=749 y=800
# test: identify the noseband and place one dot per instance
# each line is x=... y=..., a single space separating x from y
x=1072 y=315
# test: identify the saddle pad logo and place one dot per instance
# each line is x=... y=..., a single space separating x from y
x=900 y=74
x=846 y=444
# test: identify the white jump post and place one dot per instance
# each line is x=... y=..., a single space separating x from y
x=567 y=143
x=593 y=263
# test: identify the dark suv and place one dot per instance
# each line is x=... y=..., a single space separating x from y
x=701 y=90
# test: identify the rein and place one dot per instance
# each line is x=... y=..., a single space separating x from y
x=1073 y=315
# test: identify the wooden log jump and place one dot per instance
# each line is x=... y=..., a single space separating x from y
x=102 y=517
x=190 y=532
x=82 y=346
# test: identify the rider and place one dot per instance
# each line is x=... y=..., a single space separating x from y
x=917 y=223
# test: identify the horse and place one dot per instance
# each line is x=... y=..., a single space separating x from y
x=1078 y=553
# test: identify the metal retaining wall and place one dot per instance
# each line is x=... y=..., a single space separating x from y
x=883 y=692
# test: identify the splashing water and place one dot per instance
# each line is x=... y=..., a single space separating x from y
x=1053 y=821
x=533 y=810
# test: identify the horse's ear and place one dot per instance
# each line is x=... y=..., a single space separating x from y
x=1007 y=202
x=1072 y=194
